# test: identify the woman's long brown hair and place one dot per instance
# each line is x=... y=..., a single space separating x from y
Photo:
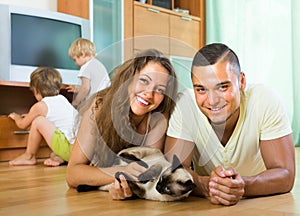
x=113 y=119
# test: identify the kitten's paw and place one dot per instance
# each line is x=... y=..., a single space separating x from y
x=143 y=164
x=152 y=173
x=118 y=174
x=144 y=178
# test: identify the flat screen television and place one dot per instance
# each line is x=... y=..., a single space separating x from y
x=30 y=38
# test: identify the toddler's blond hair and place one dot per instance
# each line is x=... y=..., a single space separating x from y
x=82 y=46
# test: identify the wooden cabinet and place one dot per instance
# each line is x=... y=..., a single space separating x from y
x=184 y=35
x=13 y=144
x=78 y=8
x=15 y=97
x=149 y=26
x=152 y=35
x=173 y=33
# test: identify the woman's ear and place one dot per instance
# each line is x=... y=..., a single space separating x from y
x=34 y=91
x=242 y=81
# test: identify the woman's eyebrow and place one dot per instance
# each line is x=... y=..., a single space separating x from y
x=149 y=77
x=146 y=76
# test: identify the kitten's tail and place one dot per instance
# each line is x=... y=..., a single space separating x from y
x=86 y=188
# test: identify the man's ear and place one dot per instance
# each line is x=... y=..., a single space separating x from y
x=242 y=81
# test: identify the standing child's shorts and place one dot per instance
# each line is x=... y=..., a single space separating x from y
x=60 y=145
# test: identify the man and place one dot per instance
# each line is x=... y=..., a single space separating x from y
x=239 y=139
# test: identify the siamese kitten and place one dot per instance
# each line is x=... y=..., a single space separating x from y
x=162 y=181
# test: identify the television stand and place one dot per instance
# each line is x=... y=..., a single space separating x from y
x=17 y=97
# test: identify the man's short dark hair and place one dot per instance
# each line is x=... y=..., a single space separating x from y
x=215 y=52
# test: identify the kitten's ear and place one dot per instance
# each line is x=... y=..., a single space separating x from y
x=176 y=163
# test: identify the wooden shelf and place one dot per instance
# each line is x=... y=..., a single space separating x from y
x=14 y=83
x=17 y=97
x=196 y=8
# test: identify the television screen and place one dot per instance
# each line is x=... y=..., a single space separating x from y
x=38 y=41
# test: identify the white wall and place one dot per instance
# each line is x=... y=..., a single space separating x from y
x=39 y=4
x=260 y=32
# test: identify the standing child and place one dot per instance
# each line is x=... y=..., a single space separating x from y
x=51 y=118
x=93 y=75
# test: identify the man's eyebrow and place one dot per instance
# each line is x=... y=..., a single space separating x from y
x=198 y=85
x=219 y=84
x=224 y=83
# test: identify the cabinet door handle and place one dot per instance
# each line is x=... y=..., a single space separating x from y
x=18 y=132
x=186 y=18
x=153 y=10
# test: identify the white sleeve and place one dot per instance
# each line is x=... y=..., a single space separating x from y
x=275 y=122
x=182 y=121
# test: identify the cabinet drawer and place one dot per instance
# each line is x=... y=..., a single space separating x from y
x=13 y=145
x=184 y=34
x=7 y=137
x=151 y=29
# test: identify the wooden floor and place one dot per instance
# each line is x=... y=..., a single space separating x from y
x=39 y=190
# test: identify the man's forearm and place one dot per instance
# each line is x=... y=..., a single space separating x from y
x=273 y=181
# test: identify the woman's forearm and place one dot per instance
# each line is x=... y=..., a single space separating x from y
x=88 y=175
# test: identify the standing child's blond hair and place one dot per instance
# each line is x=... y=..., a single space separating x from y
x=82 y=46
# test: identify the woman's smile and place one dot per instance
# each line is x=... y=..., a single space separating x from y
x=142 y=101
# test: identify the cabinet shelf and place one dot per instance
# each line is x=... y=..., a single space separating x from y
x=161 y=9
x=192 y=6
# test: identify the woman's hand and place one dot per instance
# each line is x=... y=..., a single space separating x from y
x=120 y=191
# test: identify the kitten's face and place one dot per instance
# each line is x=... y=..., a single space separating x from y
x=175 y=182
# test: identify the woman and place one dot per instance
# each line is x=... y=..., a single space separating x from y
x=134 y=110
